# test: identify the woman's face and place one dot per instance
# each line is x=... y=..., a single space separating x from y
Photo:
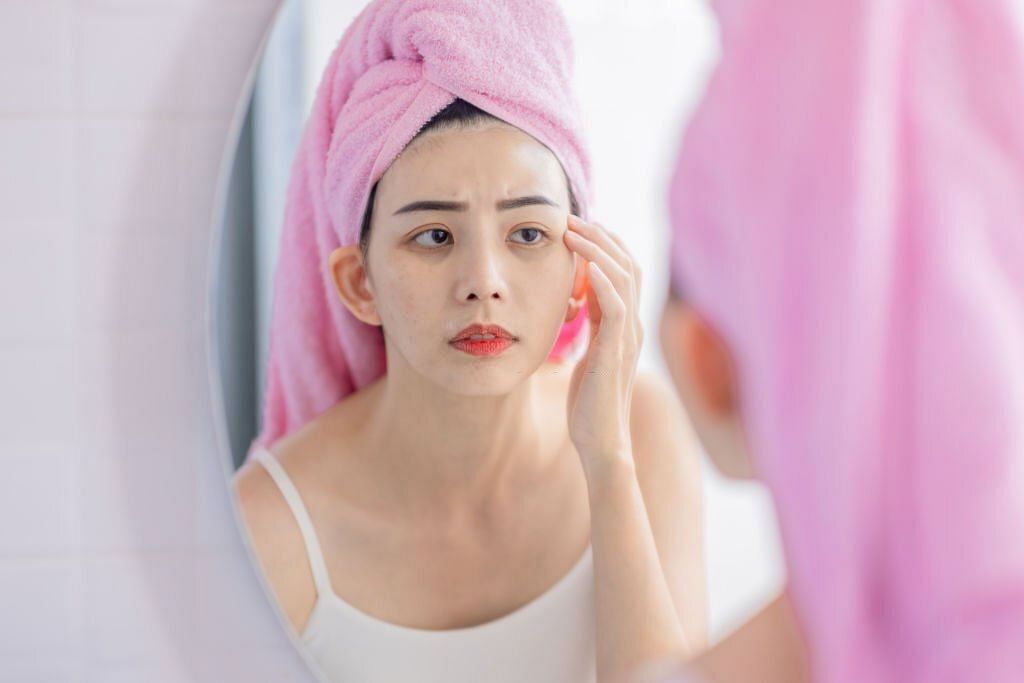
x=701 y=367
x=467 y=227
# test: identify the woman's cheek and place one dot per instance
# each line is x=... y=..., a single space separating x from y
x=550 y=297
x=409 y=300
x=391 y=303
x=558 y=281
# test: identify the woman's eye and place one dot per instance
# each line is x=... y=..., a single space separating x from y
x=434 y=237
x=531 y=235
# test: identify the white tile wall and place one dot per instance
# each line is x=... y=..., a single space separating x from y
x=120 y=556
x=41 y=617
x=37 y=64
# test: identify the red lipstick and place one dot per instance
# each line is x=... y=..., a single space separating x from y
x=483 y=340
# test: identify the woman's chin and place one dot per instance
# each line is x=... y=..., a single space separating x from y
x=484 y=375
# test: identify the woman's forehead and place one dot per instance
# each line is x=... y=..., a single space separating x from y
x=493 y=159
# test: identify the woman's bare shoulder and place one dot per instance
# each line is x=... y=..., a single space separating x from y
x=314 y=457
x=273 y=532
x=303 y=454
x=275 y=540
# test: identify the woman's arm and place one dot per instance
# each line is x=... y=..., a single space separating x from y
x=668 y=467
x=636 y=618
x=767 y=648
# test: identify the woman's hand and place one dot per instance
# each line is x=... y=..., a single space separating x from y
x=601 y=388
x=635 y=618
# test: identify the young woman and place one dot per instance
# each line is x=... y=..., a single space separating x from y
x=847 y=323
x=479 y=511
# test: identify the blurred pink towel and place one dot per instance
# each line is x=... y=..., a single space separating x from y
x=398 y=64
x=848 y=210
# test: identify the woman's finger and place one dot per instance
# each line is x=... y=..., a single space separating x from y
x=590 y=251
x=634 y=272
x=612 y=243
x=638 y=336
x=597 y=233
x=623 y=281
x=636 y=269
x=613 y=308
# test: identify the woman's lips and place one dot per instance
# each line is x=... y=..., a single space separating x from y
x=483 y=347
x=483 y=339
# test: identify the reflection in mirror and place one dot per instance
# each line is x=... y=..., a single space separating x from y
x=452 y=516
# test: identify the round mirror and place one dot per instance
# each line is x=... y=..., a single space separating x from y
x=384 y=548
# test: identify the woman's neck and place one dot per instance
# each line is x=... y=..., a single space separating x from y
x=447 y=452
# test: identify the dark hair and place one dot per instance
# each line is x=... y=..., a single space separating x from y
x=459 y=113
x=675 y=290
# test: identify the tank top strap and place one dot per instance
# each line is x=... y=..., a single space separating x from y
x=294 y=500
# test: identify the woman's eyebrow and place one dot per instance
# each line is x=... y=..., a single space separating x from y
x=432 y=205
x=524 y=201
x=502 y=205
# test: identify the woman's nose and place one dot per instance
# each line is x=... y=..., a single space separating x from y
x=482 y=272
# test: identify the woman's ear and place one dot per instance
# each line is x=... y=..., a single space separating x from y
x=352 y=283
x=700 y=364
x=708 y=362
x=579 y=288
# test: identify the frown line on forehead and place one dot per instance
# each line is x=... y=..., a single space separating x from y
x=501 y=205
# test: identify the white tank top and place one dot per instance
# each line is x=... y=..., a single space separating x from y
x=550 y=639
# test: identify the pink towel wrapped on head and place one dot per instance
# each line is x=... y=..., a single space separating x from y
x=397 y=65
x=848 y=209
